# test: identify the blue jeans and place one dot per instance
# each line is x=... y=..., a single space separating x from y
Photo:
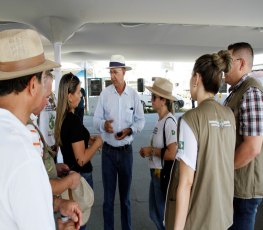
x=116 y=164
x=245 y=211
x=156 y=202
x=89 y=179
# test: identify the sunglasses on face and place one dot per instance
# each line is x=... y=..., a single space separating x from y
x=154 y=97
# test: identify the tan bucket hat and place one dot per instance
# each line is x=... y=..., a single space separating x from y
x=163 y=88
x=118 y=61
x=21 y=54
x=84 y=196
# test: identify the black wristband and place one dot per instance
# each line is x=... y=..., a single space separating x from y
x=131 y=132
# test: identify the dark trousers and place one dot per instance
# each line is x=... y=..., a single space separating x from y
x=245 y=211
x=156 y=201
x=116 y=164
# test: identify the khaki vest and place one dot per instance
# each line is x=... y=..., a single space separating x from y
x=248 y=179
x=211 y=198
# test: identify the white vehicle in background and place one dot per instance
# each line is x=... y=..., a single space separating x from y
x=146 y=100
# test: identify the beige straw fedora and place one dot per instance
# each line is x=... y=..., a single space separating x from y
x=163 y=88
x=21 y=54
x=84 y=196
x=118 y=61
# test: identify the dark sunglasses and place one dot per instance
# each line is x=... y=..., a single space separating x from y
x=154 y=97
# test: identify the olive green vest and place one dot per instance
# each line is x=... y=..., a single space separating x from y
x=248 y=179
x=211 y=198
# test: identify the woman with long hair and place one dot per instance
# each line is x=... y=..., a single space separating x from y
x=77 y=146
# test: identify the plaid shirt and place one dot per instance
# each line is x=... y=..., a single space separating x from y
x=250 y=111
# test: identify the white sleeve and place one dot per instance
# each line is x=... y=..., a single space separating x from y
x=30 y=197
x=98 y=118
x=187 y=146
x=171 y=131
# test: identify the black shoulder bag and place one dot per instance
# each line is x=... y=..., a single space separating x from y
x=166 y=164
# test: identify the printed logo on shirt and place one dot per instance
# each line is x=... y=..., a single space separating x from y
x=51 y=122
x=181 y=145
x=173 y=132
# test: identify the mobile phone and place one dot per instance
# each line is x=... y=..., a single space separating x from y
x=119 y=134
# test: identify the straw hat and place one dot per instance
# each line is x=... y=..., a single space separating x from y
x=118 y=61
x=21 y=54
x=163 y=88
x=84 y=196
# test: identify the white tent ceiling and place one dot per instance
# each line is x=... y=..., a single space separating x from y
x=167 y=30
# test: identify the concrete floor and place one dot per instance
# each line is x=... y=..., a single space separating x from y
x=140 y=185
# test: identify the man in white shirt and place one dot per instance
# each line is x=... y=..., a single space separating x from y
x=25 y=195
x=118 y=116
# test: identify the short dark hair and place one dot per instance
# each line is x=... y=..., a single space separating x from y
x=17 y=85
x=241 y=45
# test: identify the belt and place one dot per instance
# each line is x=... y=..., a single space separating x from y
x=156 y=172
x=118 y=148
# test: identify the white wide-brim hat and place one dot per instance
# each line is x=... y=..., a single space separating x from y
x=22 y=54
x=84 y=196
x=163 y=88
x=118 y=61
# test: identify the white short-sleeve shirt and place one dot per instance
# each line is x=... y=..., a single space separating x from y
x=25 y=194
x=157 y=138
x=187 y=146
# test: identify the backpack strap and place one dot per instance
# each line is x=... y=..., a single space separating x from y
x=178 y=127
x=164 y=141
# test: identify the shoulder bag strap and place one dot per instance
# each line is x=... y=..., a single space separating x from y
x=164 y=141
x=46 y=147
x=178 y=127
